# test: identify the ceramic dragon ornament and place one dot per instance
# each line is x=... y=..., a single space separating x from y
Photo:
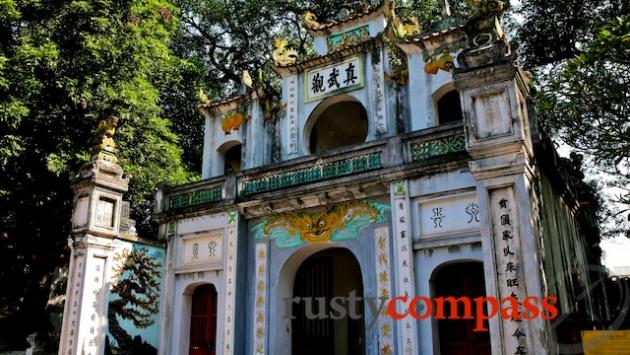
x=282 y=54
x=339 y=222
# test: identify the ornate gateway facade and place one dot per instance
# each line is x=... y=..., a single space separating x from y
x=399 y=165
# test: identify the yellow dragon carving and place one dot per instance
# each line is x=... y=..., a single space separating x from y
x=282 y=54
x=318 y=227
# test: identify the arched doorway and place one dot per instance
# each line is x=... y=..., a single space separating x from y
x=230 y=153
x=456 y=336
x=328 y=274
x=233 y=160
x=337 y=122
x=448 y=104
x=203 y=321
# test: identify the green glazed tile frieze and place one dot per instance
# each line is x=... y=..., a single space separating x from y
x=313 y=174
x=437 y=147
x=195 y=198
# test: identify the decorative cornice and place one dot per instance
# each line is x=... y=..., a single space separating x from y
x=421 y=38
x=227 y=104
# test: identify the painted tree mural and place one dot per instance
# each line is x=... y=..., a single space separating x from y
x=137 y=286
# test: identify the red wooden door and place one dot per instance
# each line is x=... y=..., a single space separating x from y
x=203 y=321
x=457 y=336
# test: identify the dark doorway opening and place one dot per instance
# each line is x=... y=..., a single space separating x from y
x=449 y=108
x=203 y=321
x=456 y=335
x=341 y=124
x=327 y=274
x=233 y=160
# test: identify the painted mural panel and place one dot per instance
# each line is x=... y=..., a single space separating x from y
x=339 y=222
x=134 y=299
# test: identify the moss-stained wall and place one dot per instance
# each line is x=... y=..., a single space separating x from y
x=565 y=261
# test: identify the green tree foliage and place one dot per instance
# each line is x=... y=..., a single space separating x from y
x=579 y=52
x=553 y=31
x=64 y=65
x=587 y=103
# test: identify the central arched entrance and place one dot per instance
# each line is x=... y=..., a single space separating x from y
x=456 y=336
x=332 y=275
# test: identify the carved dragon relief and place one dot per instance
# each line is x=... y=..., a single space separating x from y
x=340 y=222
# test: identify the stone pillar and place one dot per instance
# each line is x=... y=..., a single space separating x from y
x=96 y=220
x=403 y=264
x=499 y=142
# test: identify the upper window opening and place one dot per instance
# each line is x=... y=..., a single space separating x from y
x=449 y=108
x=338 y=125
x=233 y=160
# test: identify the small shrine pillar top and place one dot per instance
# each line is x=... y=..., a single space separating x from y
x=99 y=187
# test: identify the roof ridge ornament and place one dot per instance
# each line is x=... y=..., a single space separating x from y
x=446 y=9
x=282 y=54
x=309 y=21
x=401 y=28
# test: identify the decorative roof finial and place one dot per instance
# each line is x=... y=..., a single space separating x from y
x=106 y=148
x=446 y=9
x=105 y=131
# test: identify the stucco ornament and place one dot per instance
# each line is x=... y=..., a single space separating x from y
x=407 y=28
x=233 y=121
x=309 y=20
x=401 y=28
x=441 y=58
x=340 y=222
x=282 y=54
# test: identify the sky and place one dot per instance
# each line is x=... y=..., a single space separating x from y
x=616 y=252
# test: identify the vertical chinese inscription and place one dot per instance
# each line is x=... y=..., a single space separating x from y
x=378 y=82
x=292 y=108
x=260 y=299
x=383 y=282
x=74 y=301
x=403 y=251
x=230 y=277
x=511 y=281
x=93 y=300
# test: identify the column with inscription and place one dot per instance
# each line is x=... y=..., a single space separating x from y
x=511 y=282
x=98 y=190
x=500 y=145
x=403 y=259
